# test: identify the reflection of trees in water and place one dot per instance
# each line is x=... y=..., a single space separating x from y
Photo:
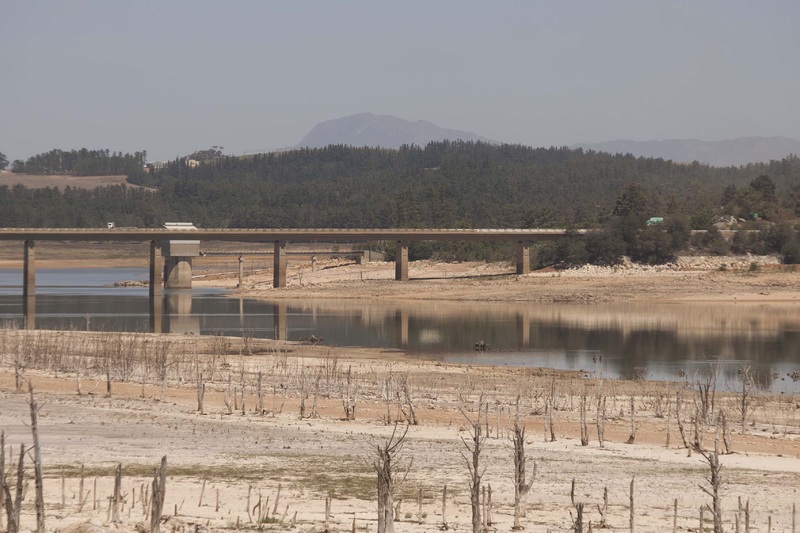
x=642 y=348
x=628 y=339
x=625 y=353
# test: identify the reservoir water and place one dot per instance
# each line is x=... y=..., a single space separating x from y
x=630 y=340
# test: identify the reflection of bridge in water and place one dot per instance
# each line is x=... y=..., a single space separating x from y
x=614 y=340
x=625 y=337
x=179 y=317
x=686 y=320
x=160 y=238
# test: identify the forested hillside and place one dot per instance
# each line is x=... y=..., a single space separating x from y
x=82 y=162
x=448 y=184
x=445 y=184
x=80 y=208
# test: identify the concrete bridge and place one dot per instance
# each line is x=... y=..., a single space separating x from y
x=159 y=238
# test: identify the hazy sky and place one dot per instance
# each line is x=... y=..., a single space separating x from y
x=172 y=77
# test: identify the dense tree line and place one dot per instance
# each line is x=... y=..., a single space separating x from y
x=631 y=232
x=79 y=208
x=455 y=184
x=445 y=184
x=83 y=162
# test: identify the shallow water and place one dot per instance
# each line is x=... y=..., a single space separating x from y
x=657 y=341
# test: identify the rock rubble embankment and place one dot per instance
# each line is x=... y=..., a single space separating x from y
x=681 y=264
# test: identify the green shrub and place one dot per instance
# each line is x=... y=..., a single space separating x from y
x=748 y=242
x=714 y=243
x=779 y=235
x=653 y=246
x=703 y=219
x=604 y=247
x=791 y=252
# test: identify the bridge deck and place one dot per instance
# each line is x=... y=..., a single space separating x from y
x=272 y=235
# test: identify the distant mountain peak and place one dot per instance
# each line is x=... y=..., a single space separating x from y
x=728 y=152
x=385 y=131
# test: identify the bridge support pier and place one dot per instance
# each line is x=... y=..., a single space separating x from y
x=401 y=261
x=177 y=254
x=156 y=300
x=279 y=265
x=178 y=272
x=29 y=287
x=523 y=257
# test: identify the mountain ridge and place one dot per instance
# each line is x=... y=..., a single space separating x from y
x=722 y=153
x=388 y=131
x=383 y=131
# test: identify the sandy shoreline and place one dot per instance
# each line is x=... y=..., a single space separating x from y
x=233 y=451
x=494 y=282
x=321 y=454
